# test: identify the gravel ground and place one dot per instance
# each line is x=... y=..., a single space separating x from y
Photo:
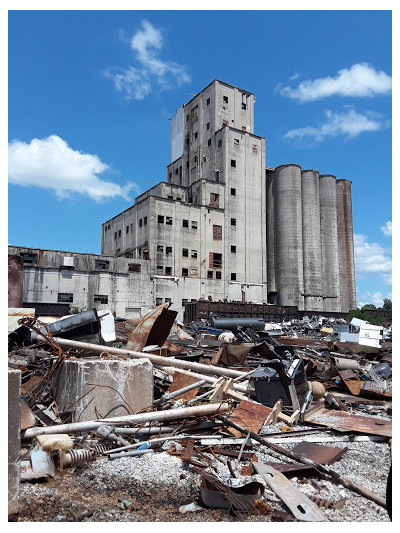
x=159 y=484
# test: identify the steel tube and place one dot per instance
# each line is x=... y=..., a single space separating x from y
x=140 y=418
x=208 y=379
x=158 y=359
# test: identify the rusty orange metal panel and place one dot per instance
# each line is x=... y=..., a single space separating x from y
x=183 y=380
x=153 y=328
x=249 y=415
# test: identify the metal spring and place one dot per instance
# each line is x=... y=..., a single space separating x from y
x=74 y=457
x=98 y=449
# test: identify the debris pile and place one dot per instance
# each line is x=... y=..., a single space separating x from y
x=234 y=420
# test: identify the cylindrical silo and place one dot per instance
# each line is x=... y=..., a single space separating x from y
x=313 y=300
x=271 y=283
x=346 y=246
x=288 y=235
x=329 y=242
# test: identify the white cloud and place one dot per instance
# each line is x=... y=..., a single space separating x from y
x=360 y=80
x=387 y=229
x=349 y=123
x=371 y=258
x=153 y=72
x=375 y=298
x=51 y=164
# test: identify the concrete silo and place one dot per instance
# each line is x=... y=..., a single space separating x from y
x=329 y=243
x=271 y=281
x=288 y=235
x=346 y=245
x=313 y=299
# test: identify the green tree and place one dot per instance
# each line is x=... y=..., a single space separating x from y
x=368 y=307
x=387 y=304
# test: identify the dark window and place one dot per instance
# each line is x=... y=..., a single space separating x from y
x=187 y=164
x=244 y=106
x=233 y=162
x=214 y=199
x=168 y=250
x=127 y=229
x=194 y=224
x=217 y=233
x=171 y=197
x=134 y=267
x=215 y=260
x=109 y=226
x=194 y=254
x=219 y=143
x=159 y=300
x=105 y=228
x=101 y=265
x=254 y=148
x=100 y=298
x=29 y=259
x=185 y=252
x=195 y=158
x=65 y=297
x=119 y=233
x=160 y=219
x=233 y=191
x=160 y=269
x=243 y=128
x=185 y=301
x=160 y=249
x=208 y=101
x=209 y=142
x=140 y=223
x=236 y=142
x=218 y=274
x=195 y=134
x=208 y=125
x=168 y=221
x=145 y=221
x=209 y=274
x=185 y=223
x=217 y=175
x=168 y=299
x=225 y=99
x=176 y=171
x=233 y=276
x=233 y=249
x=170 y=176
x=233 y=221
x=115 y=235
x=185 y=272
x=168 y=271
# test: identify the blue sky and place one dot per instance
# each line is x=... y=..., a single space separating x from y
x=91 y=92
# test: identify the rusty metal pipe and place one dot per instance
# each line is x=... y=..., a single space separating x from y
x=139 y=418
x=207 y=379
x=159 y=359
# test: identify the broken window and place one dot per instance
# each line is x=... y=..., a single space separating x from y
x=233 y=276
x=194 y=224
x=159 y=300
x=233 y=249
x=185 y=223
x=160 y=249
x=160 y=219
x=218 y=274
x=225 y=99
x=217 y=233
x=168 y=221
x=235 y=142
x=185 y=252
x=65 y=297
x=168 y=271
x=233 y=221
x=195 y=114
x=168 y=250
x=100 y=299
x=215 y=260
x=29 y=259
x=244 y=106
x=214 y=199
x=160 y=269
x=134 y=267
x=168 y=299
x=194 y=254
x=233 y=162
x=101 y=264
x=185 y=272
x=209 y=274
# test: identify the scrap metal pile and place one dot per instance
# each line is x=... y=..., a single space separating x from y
x=223 y=398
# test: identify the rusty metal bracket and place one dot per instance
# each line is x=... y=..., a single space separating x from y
x=301 y=506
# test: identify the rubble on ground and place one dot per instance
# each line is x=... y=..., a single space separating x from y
x=149 y=419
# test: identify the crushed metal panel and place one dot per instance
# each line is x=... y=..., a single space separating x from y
x=343 y=421
x=249 y=415
x=28 y=419
x=183 y=380
x=153 y=328
x=324 y=455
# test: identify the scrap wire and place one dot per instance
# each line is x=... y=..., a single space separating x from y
x=36 y=325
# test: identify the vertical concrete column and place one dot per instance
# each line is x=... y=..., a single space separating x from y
x=313 y=300
x=346 y=245
x=271 y=282
x=329 y=242
x=288 y=236
x=14 y=438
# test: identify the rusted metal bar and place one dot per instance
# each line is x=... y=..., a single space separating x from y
x=323 y=469
x=159 y=359
x=140 y=418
